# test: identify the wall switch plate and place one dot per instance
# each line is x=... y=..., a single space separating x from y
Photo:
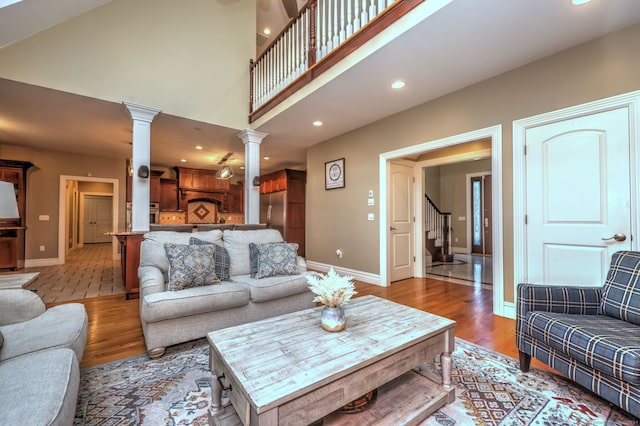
x=370 y=216
x=461 y=218
x=41 y=248
x=370 y=202
x=43 y=217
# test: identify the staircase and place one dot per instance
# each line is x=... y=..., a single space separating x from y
x=437 y=232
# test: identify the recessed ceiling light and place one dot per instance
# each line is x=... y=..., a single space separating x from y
x=317 y=123
x=198 y=147
x=579 y=2
x=267 y=31
x=183 y=160
x=399 y=84
x=265 y=158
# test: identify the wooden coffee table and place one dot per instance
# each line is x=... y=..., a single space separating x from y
x=287 y=370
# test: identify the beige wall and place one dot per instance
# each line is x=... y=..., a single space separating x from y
x=43 y=187
x=337 y=218
x=190 y=59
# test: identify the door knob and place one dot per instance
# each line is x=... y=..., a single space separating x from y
x=617 y=237
x=392 y=228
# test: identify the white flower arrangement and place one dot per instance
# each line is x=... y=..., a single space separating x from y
x=331 y=290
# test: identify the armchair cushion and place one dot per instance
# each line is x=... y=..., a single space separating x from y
x=18 y=305
x=621 y=290
x=604 y=343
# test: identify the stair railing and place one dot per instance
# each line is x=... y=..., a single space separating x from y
x=438 y=226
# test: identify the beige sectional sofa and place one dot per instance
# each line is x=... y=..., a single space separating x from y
x=170 y=316
x=40 y=351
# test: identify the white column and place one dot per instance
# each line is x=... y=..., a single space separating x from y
x=140 y=158
x=252 y=140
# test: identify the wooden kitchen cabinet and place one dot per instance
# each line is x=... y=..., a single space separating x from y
x=155 y=192
x=200 y=180
x=168 y=194
x=234 y=200
x=294 y=182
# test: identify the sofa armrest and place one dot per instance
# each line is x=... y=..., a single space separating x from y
x=558 y=299
x=302 y=264
x=19 y=305
x=151 y=280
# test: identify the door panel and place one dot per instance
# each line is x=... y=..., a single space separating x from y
x=97 y=219
x=578 y=193
x=488 y=215
x=401 y=222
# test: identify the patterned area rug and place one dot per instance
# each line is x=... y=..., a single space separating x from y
x=490 y=390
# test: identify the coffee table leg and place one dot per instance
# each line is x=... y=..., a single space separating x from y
x=445 y=361
x=216 y=397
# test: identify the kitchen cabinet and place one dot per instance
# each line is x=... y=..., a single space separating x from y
x=293 y=183
x=200 y=180
x=130 y=261
x=168 y=194
x=155 y=191
x=12 y=230
x=234 y=200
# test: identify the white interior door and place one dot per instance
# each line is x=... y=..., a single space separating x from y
x=401 y=222
x=578 y=193
x=97 y=219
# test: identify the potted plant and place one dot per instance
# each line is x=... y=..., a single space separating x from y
x=333 y=291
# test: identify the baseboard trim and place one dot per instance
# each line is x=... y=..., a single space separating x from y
x=33 y=263
x=357 y=275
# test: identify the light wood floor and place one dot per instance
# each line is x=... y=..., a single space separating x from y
x=115 y=331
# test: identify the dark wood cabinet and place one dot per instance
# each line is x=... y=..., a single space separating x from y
x=12 y=231
x=294 y=182
x=234 y=200
x=200 y=180
x=155 y=192
x=168 y=194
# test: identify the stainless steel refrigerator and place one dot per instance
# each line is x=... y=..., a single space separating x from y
x=273 y=210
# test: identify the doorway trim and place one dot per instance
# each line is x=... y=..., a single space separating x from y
x=629 y=100
x=62 y=212
x=493 y=132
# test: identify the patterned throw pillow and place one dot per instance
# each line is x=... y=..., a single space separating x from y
x=190 y=266
x=276 y=259
x=220 y=257
x=621 y=290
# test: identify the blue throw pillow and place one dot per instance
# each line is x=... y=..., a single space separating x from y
x=621 y=290
x=275 y=259
x=190 y=266
x=220 y=257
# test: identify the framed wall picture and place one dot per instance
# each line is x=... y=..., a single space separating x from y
x=334 y=174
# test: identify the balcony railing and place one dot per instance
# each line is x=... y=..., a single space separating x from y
x=323 y=32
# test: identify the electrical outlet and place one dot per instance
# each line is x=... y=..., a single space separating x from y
x=43 y=217
x=371 y=216
x=370 y=193
x=42 y=248
x=370 y=202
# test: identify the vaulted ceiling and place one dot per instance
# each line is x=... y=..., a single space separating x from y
x=463 y=43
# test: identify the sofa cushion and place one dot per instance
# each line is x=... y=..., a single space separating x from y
x=61 y=326
x=237 y=244
x=152 y=251
x=607 y=344
x=190 y=266
x=220 y=257
x=40 y=388
x=274 y=259
x=272 y=288
x=621 y=290
x=193 y=301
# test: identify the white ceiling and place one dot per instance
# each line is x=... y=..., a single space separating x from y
x=465 y=42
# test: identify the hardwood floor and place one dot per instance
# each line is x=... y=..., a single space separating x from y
x=115 y=331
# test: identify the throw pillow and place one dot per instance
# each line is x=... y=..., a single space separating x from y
x=190 y=266
x=254 y=253
x=220 y=257
x=621 y=290
x=277 y=259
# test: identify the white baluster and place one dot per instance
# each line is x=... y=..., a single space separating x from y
x=349 y=18
x=372 y=10
x=381 y=6
x=335 y=32
x=356 y=15
x=343 y=17
x=365 y=16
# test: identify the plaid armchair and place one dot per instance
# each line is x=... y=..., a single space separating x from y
x=591 y=335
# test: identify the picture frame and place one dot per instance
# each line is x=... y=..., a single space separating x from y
x=334 y=174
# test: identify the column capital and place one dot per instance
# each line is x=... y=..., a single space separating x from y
x=141 y=112
x=250 y=135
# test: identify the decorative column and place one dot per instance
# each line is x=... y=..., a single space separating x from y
x=141 y=163
x=252 y=140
